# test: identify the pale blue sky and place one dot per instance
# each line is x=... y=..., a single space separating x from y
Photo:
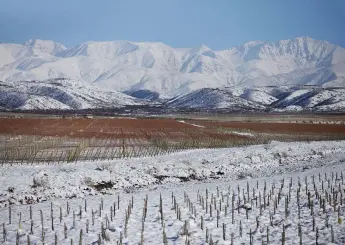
x=219 y=24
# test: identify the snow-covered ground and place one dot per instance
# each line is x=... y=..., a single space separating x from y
x=195 y=125
x=242 y=133
x=78 y=179
x=223 y=169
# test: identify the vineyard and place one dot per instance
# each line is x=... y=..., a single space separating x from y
x=299 y=209
x=63 y=140
x=275 y=193
x=29 y=141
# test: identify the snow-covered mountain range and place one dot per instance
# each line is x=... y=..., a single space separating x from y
x=94 y=72
x=124 y=65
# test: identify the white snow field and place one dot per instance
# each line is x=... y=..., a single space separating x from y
x=288 y=193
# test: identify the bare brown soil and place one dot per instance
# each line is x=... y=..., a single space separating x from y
x=104 y=128
x=85 y=127
x=110 y=128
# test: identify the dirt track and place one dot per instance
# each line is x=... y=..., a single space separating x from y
x=263 y=127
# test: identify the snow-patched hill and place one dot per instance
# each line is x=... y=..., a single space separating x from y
x=214 y=98
x=131 y=66
x=72 y=94
x=59 y=94
x=276 y=98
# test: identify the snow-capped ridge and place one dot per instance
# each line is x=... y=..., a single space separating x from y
x=107 y=50
x=45 y=46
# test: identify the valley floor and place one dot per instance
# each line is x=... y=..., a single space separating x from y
x=280 y=191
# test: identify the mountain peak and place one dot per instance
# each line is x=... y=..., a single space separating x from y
x=253 y=43
x=200 y=49
x=305 y=38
